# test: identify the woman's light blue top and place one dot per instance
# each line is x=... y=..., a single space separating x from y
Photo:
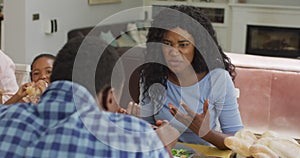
x=216 y=86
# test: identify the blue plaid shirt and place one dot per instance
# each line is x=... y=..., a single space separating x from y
x=68 y=123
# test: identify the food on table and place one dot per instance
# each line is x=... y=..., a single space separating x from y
x=181 y=153
x=269 y=145
x=241 y=142
x=259 y=150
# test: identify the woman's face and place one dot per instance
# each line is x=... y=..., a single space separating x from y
x=42 y=69
x=178 y=49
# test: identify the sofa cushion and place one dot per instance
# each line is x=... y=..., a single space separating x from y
x=269 y=93
x=108 y=38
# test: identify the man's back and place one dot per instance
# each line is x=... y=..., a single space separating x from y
x=67 y=123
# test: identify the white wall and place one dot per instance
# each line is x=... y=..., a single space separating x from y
x=276 y=2
x=25 y=38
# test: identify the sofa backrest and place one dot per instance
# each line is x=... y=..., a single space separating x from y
x=269 y=93
x=115 y=29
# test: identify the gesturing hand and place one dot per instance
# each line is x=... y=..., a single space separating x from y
x=198 y=123
x=132 y=109
x=168 y=134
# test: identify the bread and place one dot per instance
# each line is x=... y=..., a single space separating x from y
x=282 y=147
x=269 y=134
x=270 y=145
x=262 y=151
x=272 y=134
x=264 y=141
x=31 y=90
x=246 y=135
x=241 y=142
x=238 y=145
x=285 y=148
x=36 y=88
x=261 y=155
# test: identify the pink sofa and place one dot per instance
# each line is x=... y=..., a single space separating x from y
x=269 y=96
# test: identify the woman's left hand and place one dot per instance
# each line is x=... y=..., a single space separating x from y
x=198 y=123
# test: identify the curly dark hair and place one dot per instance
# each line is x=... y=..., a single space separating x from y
x=208 y=53
x=92 y=69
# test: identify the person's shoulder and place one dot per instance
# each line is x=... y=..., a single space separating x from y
x=131 y=122
x=219 y=74
x=5 y=59
x=14 y=109
x=17 y=117
x=70 y=86
x=218 y=71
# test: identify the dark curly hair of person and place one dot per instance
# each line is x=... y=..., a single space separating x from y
x=194 y=21
x=88 y=61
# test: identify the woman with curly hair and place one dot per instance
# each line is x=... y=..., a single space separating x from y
x=188 y=80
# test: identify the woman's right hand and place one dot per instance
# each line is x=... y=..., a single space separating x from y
x=198 y=123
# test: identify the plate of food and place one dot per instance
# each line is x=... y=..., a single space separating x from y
x=182 y=151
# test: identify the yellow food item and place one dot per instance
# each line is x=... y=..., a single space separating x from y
x=238 y=145
x=285 y=148
x=270 y=145
x=246 y=135
x=36 y=88
x=261 y=151
x=31 y=90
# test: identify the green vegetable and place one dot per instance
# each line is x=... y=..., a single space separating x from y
x=181 y=152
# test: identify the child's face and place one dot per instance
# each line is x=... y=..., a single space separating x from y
x=42 y=69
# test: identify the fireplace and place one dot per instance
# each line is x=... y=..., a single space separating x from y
x=273 y=41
